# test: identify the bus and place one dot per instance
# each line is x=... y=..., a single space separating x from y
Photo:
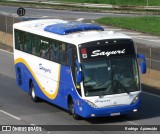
x=80 y=67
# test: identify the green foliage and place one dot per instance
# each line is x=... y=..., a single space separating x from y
x=143 y=24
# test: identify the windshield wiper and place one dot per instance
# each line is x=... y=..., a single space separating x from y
x=122 y=86
x=113 y=81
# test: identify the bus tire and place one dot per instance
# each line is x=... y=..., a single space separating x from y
x=71 y=110
x=32 y=93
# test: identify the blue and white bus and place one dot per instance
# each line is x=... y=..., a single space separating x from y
x=80 y=67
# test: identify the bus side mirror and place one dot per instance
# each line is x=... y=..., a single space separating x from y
x=79 y=76
x=78 y=65
x=143 y=63
x=79 y=73
x=143 y=67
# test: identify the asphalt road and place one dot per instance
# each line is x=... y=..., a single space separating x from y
x=18 y=104
x=34 y=12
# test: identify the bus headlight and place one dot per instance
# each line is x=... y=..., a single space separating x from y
x=135 y=99
x=91 y=104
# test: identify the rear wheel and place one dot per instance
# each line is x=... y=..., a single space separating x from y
x=71 y=109
x=32 y=93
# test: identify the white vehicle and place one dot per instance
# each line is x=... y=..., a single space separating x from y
x=77 y=66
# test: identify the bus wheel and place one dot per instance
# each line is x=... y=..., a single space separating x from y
x=32 y=93
x=72 y=110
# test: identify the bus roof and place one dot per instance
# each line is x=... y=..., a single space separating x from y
x=44 y=27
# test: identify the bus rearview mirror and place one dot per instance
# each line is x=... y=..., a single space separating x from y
x=79 y=76
x=143 y=67
x=78 y=64
x=143 y=63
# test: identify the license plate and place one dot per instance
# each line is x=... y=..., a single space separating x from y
x=115 y=114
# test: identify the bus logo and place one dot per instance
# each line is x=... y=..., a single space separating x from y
x=84 y=53
x=108 y=53
x=44 y=69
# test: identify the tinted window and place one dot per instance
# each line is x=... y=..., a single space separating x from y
x=55 y=51
x=45 y=48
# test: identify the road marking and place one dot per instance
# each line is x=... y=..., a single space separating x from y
x=110 y=28
x=155 y=41
x=131 y=122
x=6 y=51
x=146 y=39
x=4 y=13
x=32 y=124
x=11 y=115
x=80 y=19
x=45 y=16
x=130 y=33
x=151 y=94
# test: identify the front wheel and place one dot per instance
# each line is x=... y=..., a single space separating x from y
x=32 y=93
x=71 y=109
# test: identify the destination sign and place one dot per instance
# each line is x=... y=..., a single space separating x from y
x=106 y=50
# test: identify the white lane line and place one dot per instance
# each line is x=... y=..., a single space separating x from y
x=108 y=29
x=146 y=39
x=80 y=19
x=45 y=16
x=32 y=124
x=151 y=94
x=130 y=33
x=11 y=115
x=4 y=13
x=133 y=123
x=155 y=41
x=6 y=51
x=111 y=29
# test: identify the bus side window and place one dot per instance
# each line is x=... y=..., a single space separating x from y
x=69 y=52
x=73 y=64
x=54 y=51
x=23 y=42
x=17 y=39
x=37 y=41
x=19 y=36
x=44 y=48
x=33 y=51
x=74 y=68
x=28 y=47
x=63 y=54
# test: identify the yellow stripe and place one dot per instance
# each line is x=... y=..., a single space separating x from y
x=50 y=96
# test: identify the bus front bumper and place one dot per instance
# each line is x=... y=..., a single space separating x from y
x=89 y=112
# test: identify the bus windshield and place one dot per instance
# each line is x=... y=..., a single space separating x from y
x=110 y=76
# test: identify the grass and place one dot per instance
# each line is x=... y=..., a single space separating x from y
x=118 y=2
x=149 y=25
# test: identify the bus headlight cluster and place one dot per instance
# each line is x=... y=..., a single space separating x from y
x=91 y=104
x=135 y=99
